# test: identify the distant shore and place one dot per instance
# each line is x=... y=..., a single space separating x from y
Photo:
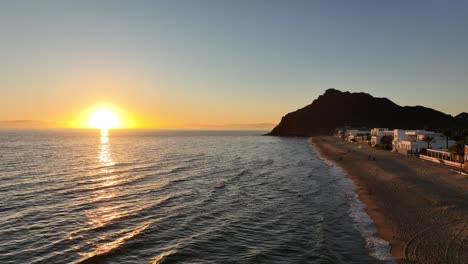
x=420 y=207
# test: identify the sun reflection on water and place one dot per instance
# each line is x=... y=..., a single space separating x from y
x=104 y=211
x=105 y=152
x=108 y=179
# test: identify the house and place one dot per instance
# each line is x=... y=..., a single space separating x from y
x=355 y=135
x=410 y=146
x=466 y=154
x=398 y=136
x=352 y=135
x=413 y=141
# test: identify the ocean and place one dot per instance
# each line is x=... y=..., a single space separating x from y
x=141 y=196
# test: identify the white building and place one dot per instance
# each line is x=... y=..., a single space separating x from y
x=356 y=135
x=444 y=157
x=408 y=145
x=466 y=154
x=398 y=136
x=405 y=141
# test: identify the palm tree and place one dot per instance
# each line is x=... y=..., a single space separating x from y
x=447 y=133
x=428 y=140
x=368 y=136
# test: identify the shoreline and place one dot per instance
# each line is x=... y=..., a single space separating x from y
x=418 y=207
x=374 y=243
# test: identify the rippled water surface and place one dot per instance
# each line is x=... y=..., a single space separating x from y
x=175 y=197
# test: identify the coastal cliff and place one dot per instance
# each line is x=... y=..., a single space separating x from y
x=338 y=109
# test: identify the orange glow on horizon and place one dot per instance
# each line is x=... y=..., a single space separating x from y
x=110 y=116
x=103 y=117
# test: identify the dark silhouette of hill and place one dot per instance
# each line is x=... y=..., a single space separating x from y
x=338 y=109
x=462 y=119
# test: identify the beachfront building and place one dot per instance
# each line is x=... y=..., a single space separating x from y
x=410 y=146
x=443 y=157
x=466 y=154
x=405 y=141
x=356 y=135
x=352 y=135
x=466 y=158
x=378 y=133
x=413 y=141
x=362 y=137
x=398 y=136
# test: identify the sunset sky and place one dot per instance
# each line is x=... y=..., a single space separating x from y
x=183 y=64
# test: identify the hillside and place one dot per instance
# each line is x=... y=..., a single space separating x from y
x=337 y=109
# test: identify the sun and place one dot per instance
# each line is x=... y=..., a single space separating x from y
x=104 y=118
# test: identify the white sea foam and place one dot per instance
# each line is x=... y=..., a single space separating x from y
x=378 y=248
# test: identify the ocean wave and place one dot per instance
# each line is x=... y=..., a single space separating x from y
x=107 y=248
x=162 y=257
x=107 y=221
x=119 y=180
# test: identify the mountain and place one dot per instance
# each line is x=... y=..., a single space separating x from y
x=338 y=109
x=462 y=119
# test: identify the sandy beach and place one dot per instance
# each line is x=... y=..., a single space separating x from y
x=420 y=207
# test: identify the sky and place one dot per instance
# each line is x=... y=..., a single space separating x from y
x=182 y=64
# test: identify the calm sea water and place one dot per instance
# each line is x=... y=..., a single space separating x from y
x=176 y=197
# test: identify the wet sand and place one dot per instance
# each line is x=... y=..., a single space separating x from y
x=420 y=207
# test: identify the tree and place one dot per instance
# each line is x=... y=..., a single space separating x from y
x=447 y=133
x=423 y=151
x=428 y=140
x=461 y=135
x=458 y=148
x=465 y=135
x=387 y=141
